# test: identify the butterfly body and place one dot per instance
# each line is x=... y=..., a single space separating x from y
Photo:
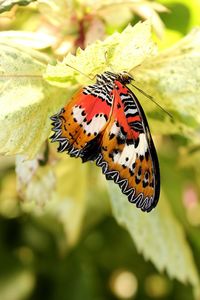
x=105 y=122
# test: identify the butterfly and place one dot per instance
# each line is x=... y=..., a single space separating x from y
x=104 y=122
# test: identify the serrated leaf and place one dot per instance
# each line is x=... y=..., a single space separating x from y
x=173 y=77
x=26 y=101
x=158 y=236
x=6 y=5
x=120 y=51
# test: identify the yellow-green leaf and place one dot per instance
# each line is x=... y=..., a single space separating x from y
x=173 y=78
x=35 y=40
x=71 y=195
x=158 y=236
x=119 y=52
x=55 y=191
x=34 y=183
x=26 y=100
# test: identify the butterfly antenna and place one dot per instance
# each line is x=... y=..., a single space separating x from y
x=152 y=99
x=79 y=72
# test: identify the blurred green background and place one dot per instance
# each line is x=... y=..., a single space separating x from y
x=72 y=248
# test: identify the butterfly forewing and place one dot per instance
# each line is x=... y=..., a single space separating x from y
x=79 y=124
x=106 y=123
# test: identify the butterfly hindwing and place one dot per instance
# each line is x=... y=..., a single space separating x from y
x=128 y=155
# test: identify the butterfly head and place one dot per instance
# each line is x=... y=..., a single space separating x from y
x=124 y=77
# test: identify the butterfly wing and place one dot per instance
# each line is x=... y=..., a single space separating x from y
x=128 y=154
x=78 y=125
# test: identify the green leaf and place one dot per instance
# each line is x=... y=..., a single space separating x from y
x=158 y=236
x=173 y=78
x=6 y=5
x=120 y=52
x=26 y=102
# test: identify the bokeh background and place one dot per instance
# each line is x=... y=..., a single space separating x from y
x=70 y=247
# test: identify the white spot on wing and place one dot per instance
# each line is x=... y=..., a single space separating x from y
x=114 y=129
x=77 y=114
x=130 y=152
x=142 y=146
x=95 y=125
x=116 y=157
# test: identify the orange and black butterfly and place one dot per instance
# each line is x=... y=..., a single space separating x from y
x=105 y=123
